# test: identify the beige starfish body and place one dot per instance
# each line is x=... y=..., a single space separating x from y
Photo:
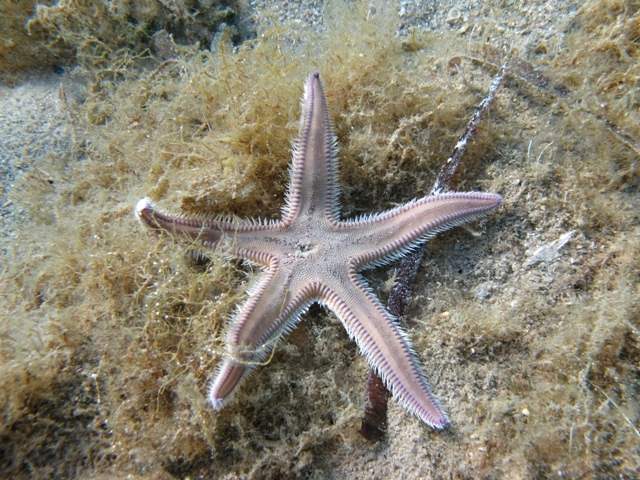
x=311 y=255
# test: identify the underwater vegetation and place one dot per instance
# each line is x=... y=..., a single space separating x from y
x=103 y=34
x=527 y=323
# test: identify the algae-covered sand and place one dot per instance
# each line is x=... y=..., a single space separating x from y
x=527 y=323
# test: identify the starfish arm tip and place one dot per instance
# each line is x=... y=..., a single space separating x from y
x=216 y=400
x=225 y=383
x=440 y=423
x=437 y=420
x=216 y=403
x=142 y=205
x=427 y=409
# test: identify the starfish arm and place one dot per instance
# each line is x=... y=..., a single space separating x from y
x=390 y=235
x=385 y=346
x=271 y=311
x=313 y=185
x=208 y=232
x=247 y=237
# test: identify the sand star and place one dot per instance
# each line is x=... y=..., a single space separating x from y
x=311 y=255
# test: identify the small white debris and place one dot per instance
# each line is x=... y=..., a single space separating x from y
x=525 y=412
x=482 y=291
x=453 y=16
x=550 y=251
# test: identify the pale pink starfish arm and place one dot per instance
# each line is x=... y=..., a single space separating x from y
x=271 y=311
x=385 y=346
x=207 y=232
x=387 y=236
x=247 y=238
x=313 y=188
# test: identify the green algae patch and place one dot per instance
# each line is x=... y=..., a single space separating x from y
x=110 y=333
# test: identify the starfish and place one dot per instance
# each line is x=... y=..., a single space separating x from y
x=312 y=255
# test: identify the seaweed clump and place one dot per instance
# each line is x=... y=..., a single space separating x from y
x=96 y=34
